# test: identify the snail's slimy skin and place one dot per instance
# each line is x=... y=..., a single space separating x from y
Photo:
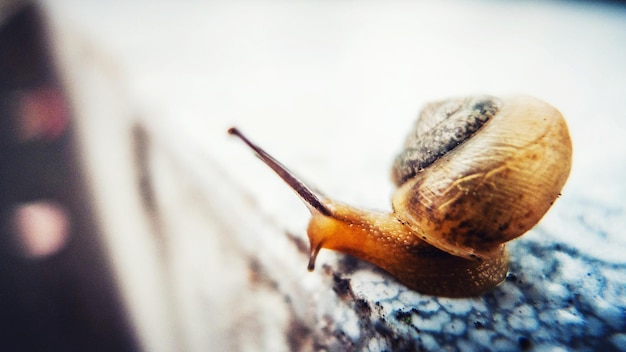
x=381 y=238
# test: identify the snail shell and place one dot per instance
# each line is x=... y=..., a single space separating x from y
x=475 y=173
x=497 y=167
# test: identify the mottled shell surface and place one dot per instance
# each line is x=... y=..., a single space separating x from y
x=477 y=172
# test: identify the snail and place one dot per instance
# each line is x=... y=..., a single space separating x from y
x=475 y=173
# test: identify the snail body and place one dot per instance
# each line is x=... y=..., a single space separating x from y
x=474 y=173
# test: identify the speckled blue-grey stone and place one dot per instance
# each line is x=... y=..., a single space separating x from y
x=556 y=297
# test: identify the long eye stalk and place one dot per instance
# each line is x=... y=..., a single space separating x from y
x=306 y=194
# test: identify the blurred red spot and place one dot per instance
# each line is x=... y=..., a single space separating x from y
x=43 y=114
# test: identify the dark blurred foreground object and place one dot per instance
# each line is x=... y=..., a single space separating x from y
x=57 y=292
